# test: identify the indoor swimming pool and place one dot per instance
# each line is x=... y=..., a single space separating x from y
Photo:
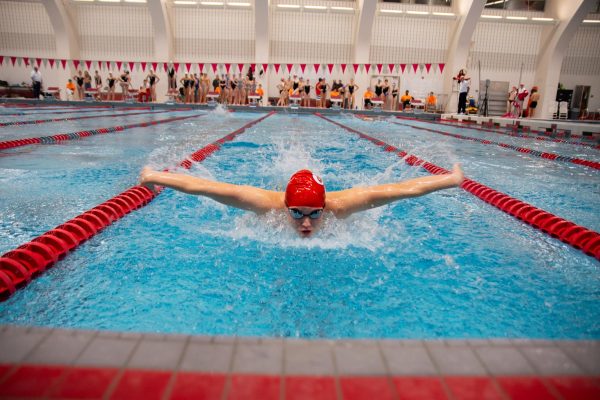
x=446 y=265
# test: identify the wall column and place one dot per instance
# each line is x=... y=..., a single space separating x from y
x=556 y=39
x=468 y=13
x=261 y=43
x=67 y=43
x=164 y=44
x=362 y=44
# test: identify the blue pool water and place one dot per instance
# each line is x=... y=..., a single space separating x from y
x=446 y=265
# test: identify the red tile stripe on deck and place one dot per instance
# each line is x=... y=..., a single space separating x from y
x=66 y=382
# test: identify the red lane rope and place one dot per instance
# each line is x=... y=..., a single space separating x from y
x=578 y=236
x=547 y=156
x=81 y=134
x=43 y=121
x=19 y=266
x=540 y=138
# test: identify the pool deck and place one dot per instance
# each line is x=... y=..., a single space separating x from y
x=63 y=363
x=51 y=363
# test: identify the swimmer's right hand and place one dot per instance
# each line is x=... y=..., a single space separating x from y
x=145 y=178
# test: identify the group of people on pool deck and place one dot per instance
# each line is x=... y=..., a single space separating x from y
x=304 y=198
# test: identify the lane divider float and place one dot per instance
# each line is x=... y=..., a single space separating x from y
x=578 y=236
x=81 y=134
x=43 y=121
x=19 y=266
x=77 y=110
x=514 y=134
x=541 y=154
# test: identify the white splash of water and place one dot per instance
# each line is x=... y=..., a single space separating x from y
x=222 y=111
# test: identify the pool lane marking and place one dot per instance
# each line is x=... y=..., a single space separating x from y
x=498 y=132
x=578 y=236
x=19 y=266
x=525 y=150
x=73 y=111
x=43 y=121
x=81 y=134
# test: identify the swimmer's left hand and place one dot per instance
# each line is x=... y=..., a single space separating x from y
x=145 y=178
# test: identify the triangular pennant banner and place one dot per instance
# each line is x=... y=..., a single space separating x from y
x=45 y=60
x=76 y=64
x=265 y=67
x=415 y=66
x=214 y=68
x=355 y=66
x=316 y=66
x=276 y=68
x=188 y=66
x=176 y=67
x=253 y=67
x=166 y=67
x=1 y=60
x=391 y=68
x=302 y=67
x=367 y=67
x=20 y=61
x=330 y=67
x=108 y=65
x=343 y=68
x=131 y=65
x=143 y=64
x=441 y=65
x=290 y=67
x=119 y=63
x=154 y=66
x=64 y=63
x=51 y=61
x=227 y=67
x=88 y=64
x=379 y=66
x=38 y=61
x=241 y=68
x=402 y=67
x=13 y=59
x=427 y=67
x=200 y=67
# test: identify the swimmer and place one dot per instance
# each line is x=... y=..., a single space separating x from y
x=304 y=197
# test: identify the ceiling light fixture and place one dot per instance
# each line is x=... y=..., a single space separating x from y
x=342 y=8
x=444 y=14
x=492 y=16
x=316 y=7
x=211 y=3
x=516 y=18
x=417 y=12
x=185 y=2
x=235 y=4
x=591 y=21
x=542 y=19
x=288 y=6
x=391 y=11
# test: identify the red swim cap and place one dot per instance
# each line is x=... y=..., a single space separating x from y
x=305 y=189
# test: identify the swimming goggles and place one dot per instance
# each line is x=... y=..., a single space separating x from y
x=297 y=214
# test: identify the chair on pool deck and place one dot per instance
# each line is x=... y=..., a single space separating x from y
x=212 y=98
x=53 y=91
x=253 y=99
x=377 y=104
x=131 y=95
x=336 y=101
x=295 y=101
x=90 y=94
x=172 y=95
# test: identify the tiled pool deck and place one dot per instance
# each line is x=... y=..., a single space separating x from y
x=58 y=363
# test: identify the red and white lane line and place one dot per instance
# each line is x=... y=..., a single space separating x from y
x=77 y=110
x=525 y=150
x=81 y=134
x=513 y=134
x=578 y=236
x=43 y=121
x=19 y=266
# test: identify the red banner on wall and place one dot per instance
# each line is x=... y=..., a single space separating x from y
x=214 y=68
x=379 y=67
x=241 y=68
x=402 y=67
x=415 y=67
x=201 y=67
x=188 y=66
x=427 y=67
x=76 y=64
x=367 y=67
x=330 y=67
x=154 y=66
x=276 y=68
x=50 y=60
x=131 y=65
x=355 y=66
x=302 y=67
x=119 y=63
x=316 y=67
x=441 y=67
x=343 y=66
x=290 y=67
x=391 y=68
x=143 y=64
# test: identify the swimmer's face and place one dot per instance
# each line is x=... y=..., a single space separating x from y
x=305 y=220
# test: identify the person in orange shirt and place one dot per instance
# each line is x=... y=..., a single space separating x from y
x=431 y=103
x=405 y=100
x=70 y=89
x=367 y=97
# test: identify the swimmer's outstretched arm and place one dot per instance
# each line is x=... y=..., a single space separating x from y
x=239 y=196
x=346 y=202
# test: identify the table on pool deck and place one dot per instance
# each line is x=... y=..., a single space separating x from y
x=295 y=100
x=336 y=101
